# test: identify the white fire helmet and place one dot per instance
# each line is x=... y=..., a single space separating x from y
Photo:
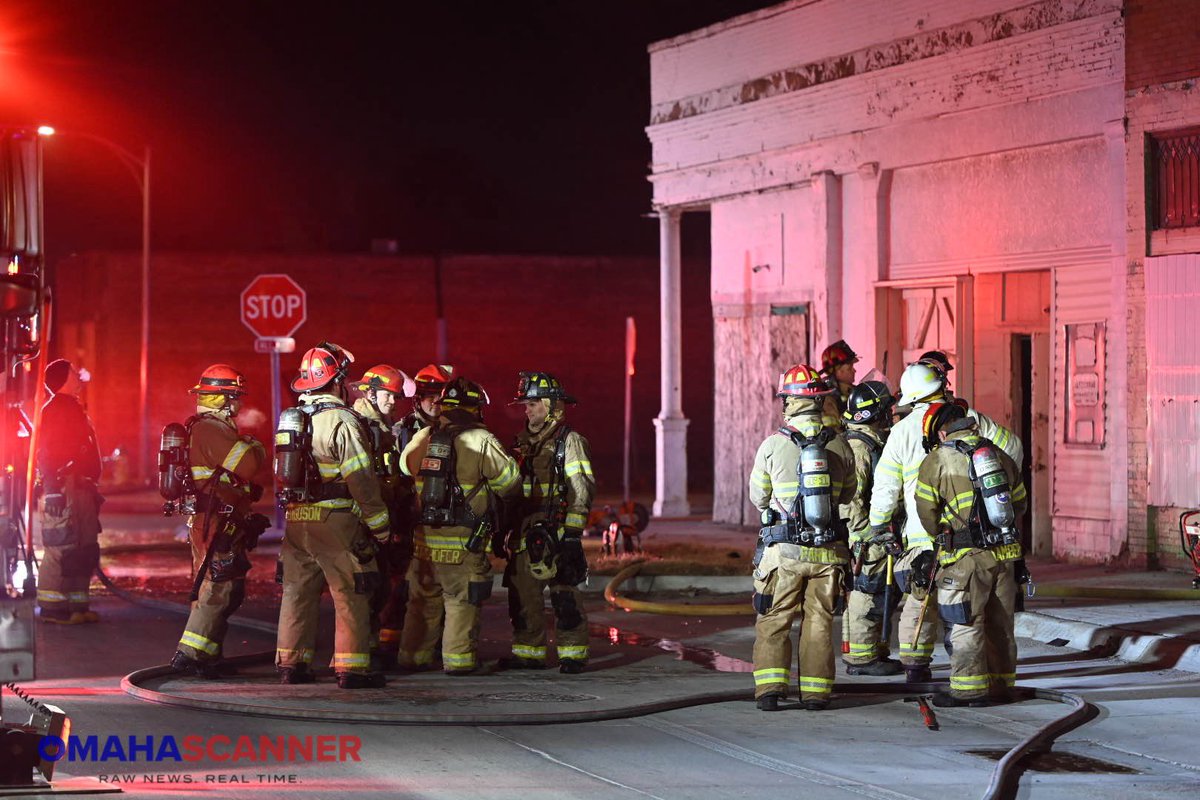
x=920 y=382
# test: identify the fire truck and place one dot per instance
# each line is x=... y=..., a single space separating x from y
x=24 y=312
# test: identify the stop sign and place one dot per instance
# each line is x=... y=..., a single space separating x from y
x=273 y=306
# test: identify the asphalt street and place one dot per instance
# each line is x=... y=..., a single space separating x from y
x=1140 y=743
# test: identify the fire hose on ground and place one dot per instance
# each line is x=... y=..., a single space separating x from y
x=1005 y=775
x=1004 y=778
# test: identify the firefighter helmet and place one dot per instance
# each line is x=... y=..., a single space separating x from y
x=936 y=359
x=321 y=366
x=802 y=381
x=464 y=392
x=221 y=379
x=937 y=416
x=433 y=378
x=836 y=355
x=921 y=382
x=58 y=374
x=540 y=386
x=387 y=378
x=869 y=402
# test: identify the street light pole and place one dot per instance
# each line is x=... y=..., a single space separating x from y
x=144 y=361
x=139 y=168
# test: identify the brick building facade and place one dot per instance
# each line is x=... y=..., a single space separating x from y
x=966 y=176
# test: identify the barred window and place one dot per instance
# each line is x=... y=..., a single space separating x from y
x=1175 y=165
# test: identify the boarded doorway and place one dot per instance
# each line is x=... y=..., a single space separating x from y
x=1031 y=421
x=751 y=350
x=916 y=316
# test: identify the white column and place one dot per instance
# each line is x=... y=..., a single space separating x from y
x=1116 y=391
x=670 y=470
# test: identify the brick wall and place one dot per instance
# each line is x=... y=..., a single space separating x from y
x=1163 y=42
x=1162 y=63
x=505 y=314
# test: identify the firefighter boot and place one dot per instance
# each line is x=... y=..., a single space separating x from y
x=361 y=680
x=815 y=704
x=384 y=661
x=297 y=674
x=768 y=702
x=186 y=665
x=877 y=668
x=570 y=666
x=917 y=673
x=947 y=700
x=519 y=662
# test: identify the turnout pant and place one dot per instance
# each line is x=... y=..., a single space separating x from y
x=208 y=622
x=337 y=552
x=865 y=636
x=977 y=600
x=916 y=650
x=796 y=590
x=393 y=595
x=527 y=612
x=446 y=589
x=71 y=551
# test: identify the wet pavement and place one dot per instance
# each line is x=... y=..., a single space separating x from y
x=453 y=737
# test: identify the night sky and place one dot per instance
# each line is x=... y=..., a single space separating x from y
x=467 y=127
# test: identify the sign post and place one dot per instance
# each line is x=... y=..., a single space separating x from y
x=273 y=306
x=630 y=353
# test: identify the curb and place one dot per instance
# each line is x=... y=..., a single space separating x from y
x=1166 y=652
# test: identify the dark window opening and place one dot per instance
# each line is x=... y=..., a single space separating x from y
x=1175 y=179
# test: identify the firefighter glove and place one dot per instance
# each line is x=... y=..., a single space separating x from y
x=571 y=562
x=882 y=534
x=498 y=544
x=254 y=526
x=922 y=569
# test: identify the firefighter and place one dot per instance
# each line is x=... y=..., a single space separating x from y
x=381 y=387
x=868 y=419
x=221 y=465
x=800 y=562
x=336 y=520
x=970 y=492
x=837 y=367
x=463 y=473
x=547 y=549
x=895 y=487
x=427 y=397
x=939 y=361
x=69 y=463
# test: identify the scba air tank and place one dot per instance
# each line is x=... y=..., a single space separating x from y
x=993 y=485
x=291 y=445
x=172 y=461
x=815 y=486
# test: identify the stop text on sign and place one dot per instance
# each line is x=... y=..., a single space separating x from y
x=273 y=306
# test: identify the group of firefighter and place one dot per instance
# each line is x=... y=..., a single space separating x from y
x=394 y=513
x=870 y=500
